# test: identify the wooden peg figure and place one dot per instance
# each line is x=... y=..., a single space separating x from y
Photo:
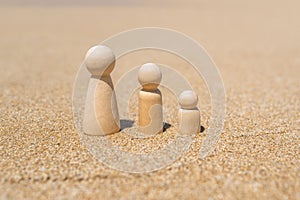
x=150 y=99
x=189 y=114
x=101 y=116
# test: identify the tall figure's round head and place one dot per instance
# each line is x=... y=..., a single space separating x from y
x=100 y=60
x=188 y=99
x=149 y=76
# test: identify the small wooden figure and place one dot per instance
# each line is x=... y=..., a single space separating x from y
x=150 y=99
x=101 y=116
x=189 y=114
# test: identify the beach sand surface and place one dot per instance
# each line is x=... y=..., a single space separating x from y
x=256 y=46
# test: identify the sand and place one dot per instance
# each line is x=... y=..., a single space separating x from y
x=256 y=47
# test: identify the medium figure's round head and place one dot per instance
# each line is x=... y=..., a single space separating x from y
x=100 y=60
x=149 y=76
x=188 y=99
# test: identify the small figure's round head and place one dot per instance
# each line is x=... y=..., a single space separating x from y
x=100 y=60
x=188 y=99
x=149 y=76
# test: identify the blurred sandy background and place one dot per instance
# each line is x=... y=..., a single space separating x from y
x=255 y=44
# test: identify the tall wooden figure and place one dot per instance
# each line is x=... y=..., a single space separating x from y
x=101 y=116
x=150 y=99
x=189 y=114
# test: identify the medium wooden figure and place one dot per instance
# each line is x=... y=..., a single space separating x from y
x=150 y=99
